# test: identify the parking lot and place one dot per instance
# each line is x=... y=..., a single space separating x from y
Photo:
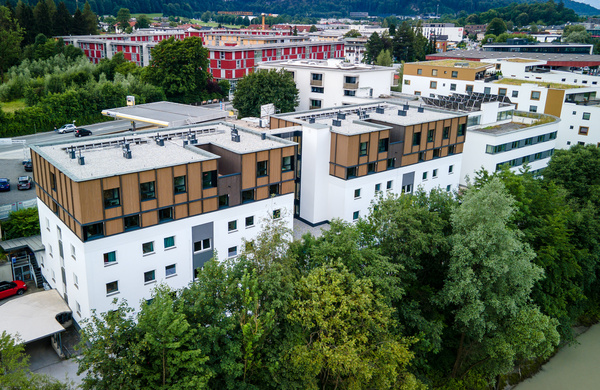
x=12 y=169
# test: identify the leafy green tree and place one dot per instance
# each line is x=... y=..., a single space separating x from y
x=180 y=67
x=313 y=28
x=496 y=27
x=123 y=17
x=21 y=223
x=488 y=288
x=344 y=338
x=264 y=87
x=384 y=58
x=11 y=36
x=352 y=34
x=142 y=22
x=206 y=16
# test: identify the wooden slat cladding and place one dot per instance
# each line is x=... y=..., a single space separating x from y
x=276 y=123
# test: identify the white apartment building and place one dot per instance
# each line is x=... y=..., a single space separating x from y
x=526 y=82
x=454 y=34
x=334 y=83
x=121 y=214
x=354 y=49
x=351 y=155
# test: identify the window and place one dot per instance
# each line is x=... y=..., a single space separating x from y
x=377 y=188
x=487 y=90
x=170 y=270
x=388 y=186
x=179 y=184
x=586 y=116
x=469 y=89
x=202 y=245
x=357 y=193
x=421 y=156
x=434 y=72
x=261 y=168
x=350 y=172
x=47 y=224
x=355 y=215
x=317 y=89
x=165 y=215
x=277 y=214
x=417 y=93
x=446 y=133
x=583 y=130
x=110 y=258
x=448 y=188
x=435 y=173
x=407 y=189
x=317 y=76
x=349 y=92
x=148 y=247
x=502 y=91
x=131 y=222
x=437 y=153
x=287 y=163
x=112 y=287
x=535 y=95
x=93 y=231
x=315 y=103
x=454 y=74
x=78 y=308
x=424 y=175
x=451 y=169
x=371 y=167
x=209 y=179
x=453 y=87
x=232 y=226
x=223 y=201
x=150 y=276
x=247 y=196
x=390 y=163
x=363 y=148
x=406 y=82
x=73 y=252
x=111 y=198
x=433 y=84
x=515 y=94
x=419 y=71
x=147 y=190
x=416 y=141
x=53 y=181
x=232 y=252
x=461 y=130
x=532 y=108
x=274 y=189
x=250 y=221
x=430 y=135
x=169 y=242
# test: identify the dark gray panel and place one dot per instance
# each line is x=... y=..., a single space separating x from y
x=408 y=178
x=200 y=233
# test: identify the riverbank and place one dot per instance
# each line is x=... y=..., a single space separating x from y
x=573 y=367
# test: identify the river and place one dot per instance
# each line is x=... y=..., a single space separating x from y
x=574 y=367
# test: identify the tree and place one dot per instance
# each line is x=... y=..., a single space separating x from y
x=24 y=15
x=78 y=27
x=62 y=20
x=91 y=20
x=123 y=17
x=404 y=43
x=488 y=288
x=344 y=335
x=384 y=58
x=206 y=16
x=264 y=87
x=180 y=67
x=142 y=22
x=496 y=27
x=21 y=223
x=352 y=34
x=11 y=36
x=373 y=47
x=313 y=29
x=43 y=21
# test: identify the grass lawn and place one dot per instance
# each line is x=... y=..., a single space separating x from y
x=13 y=106
x=148 y=15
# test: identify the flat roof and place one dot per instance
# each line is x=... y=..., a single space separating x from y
x=356 y=122
x=166 y=114
x=33 y=316
x=452 y=64
x=546 y=84
x=476 y=55
x=330 y=65
x=34 y=243
x=512 y=126
x=104 y=155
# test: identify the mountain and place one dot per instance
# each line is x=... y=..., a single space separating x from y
x=585 y=7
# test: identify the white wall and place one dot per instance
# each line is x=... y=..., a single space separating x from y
x=572 y=119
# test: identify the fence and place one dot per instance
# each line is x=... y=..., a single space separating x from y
x=6 y=209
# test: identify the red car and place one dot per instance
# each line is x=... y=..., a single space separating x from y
x=8 y=289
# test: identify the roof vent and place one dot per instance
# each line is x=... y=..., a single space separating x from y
x=72 y=152
x=311 y=120
x=421 y=109
x=235 y=137
x=405 y=107
x=81 y=159
x=401 y=112
x=379 y=110
x=263 y=136
x=337 y=123
x=160 y=141
x=126 y=151
x=185 y=142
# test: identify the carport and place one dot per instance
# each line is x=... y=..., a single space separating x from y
x=36 y=316
x=166 y=114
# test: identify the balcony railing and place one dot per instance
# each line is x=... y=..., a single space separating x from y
x=350 y=85
x=316 y=83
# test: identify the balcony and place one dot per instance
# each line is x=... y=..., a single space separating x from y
x=316 y=83
x=351 y=85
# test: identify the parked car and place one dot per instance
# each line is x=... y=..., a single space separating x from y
x=28 y=165
x=68 y=128
x=4 y=184
x=24 y=183
x=81 y=132
x=8 y=289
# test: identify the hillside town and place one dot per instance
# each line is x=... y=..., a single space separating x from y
x=249 y=200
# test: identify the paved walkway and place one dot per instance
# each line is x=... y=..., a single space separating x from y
x=44 y=360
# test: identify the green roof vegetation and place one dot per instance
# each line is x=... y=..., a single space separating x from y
x=538 y=82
